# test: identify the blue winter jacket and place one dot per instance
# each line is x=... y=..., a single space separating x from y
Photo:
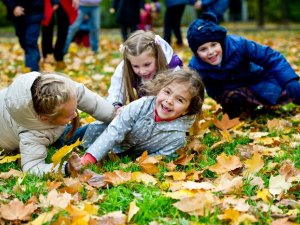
x=169 y=3
x=246 y=63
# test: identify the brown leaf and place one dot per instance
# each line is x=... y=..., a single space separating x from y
x=147 y=163
x=199 y=204
x=226 y=163
x=16 y=210
x=225 y=123
x=117 y=177
x=113 y=218
x=183 y=159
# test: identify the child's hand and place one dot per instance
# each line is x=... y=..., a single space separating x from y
x=74 y=163
x=198 y=5
x=293 y=90
x=19 y=11
x=119 y=110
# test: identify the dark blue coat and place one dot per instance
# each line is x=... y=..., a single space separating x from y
x=34 y=10
x=246 y=63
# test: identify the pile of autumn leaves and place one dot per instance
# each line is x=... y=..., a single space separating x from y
x=194 y=194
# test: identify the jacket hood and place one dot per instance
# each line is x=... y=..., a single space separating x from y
x=18 y=102
x=167 y=49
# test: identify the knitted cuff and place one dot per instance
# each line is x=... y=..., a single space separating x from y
x=87 y=159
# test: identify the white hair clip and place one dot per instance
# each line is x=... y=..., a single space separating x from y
x=122 y=48
x=157 y=40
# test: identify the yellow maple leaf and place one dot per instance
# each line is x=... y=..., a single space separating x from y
x=226 y=163
x=62 y=152
x=254 y=165
x=8 y=159
x=264 y=195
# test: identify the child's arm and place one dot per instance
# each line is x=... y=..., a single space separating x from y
x=93 y=104
x=33 y=150
x=271 y=60
x=116 y=131
x=116 y=89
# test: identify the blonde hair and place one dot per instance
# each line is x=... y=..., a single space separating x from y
x=181 y=76
x=48 y=93
x=137 y=43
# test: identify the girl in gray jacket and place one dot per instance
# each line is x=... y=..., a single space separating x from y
x=157 y=123
x=34 y=112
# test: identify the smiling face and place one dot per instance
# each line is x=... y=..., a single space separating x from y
x=66 y=112
x=173 y=101
x=211 y=53
x=143 y=65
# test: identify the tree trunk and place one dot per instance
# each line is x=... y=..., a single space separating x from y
x=260 y=21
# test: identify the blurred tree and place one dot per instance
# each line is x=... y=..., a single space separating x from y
x=260 y=21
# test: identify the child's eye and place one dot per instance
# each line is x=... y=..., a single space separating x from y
x=180 y=100
x=166 y=91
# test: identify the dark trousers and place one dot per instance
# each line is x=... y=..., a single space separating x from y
x=172 y=22
x=62 y=21
x=28 y=34
x=62 y=141
x=127 y=29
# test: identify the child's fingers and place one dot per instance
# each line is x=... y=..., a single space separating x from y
x=75 y=162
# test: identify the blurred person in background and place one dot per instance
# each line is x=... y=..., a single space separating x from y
x=27 y=16
x=127 y=14
x=172 y=19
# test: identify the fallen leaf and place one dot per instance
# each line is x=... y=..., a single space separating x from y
x=16 y=210
x=8 y=159
x=117 y=177
x=62 y=152
x=147 y=163
x=225 y=123
x=133 y=209
x=278 y=185
x=253 y=165
x=225 y=163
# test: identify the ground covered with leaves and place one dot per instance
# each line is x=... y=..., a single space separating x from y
x=240 y=171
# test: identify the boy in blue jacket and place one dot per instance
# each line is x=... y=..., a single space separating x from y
x=240 y=74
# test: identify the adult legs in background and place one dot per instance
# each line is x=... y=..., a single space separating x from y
x=47 y=38
x=74 y=28
x=94 y=13
x=172 y=22
x=62 y=32
x=28 y=35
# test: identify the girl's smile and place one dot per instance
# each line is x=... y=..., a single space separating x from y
x=173 y=101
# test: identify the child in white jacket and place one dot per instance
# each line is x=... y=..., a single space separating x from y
x=34 y=112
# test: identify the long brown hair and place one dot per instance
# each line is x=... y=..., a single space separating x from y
x=137 y=43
